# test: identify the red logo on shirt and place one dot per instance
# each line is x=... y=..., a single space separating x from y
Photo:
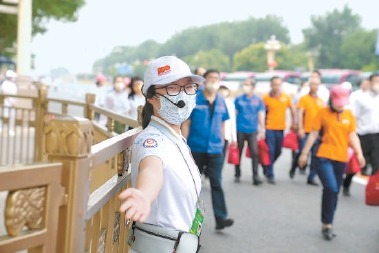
x=150 y=143
x=164 y=70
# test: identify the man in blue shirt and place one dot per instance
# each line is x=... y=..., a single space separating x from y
x=204 y=131
x=250 y=111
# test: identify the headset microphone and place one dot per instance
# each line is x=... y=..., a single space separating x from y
x=179 y=104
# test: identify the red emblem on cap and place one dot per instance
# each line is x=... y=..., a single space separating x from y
x=164 y=70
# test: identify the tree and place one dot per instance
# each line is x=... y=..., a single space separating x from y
x=43 y=10
x=327 y=33
x=358 y=51
x=254 y=58
x=213 y=58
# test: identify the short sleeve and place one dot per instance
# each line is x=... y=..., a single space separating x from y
x=301 y=104
x=149 y=144
x=317 y=123
x=236 y=104
x=353 y=124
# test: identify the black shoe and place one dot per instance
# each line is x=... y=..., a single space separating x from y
x=328 y=233
x=237 y=180
x=346 y=191
x=271 y=181
x=302 y=171
x=257 y=180
x=221 y=224
x=312 y=182
x=292 y=173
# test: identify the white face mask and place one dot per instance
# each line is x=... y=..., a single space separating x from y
x=173 y=114
x=119 y=86
x=246 y=89
x=375 y=88
x=212 y=87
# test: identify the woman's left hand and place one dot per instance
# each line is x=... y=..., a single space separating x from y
x=136 y=205
x=361 y=160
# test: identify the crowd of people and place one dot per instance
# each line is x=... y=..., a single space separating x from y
x=327 y=123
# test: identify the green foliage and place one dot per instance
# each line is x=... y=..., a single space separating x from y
x=254 y=58
x=217 y=40
x=43 y=10
x=213 y=58
x=357 y=51
x=328 y=33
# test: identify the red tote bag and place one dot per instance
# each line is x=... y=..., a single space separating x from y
x=233 y=156
x=291 y=141
x=353 y=165
x=372 y=190
x=264 y=153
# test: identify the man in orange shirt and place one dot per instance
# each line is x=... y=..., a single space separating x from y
x=276 y=103
x=339 y=129
x=308 y=107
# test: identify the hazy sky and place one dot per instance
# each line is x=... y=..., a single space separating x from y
x=103 y=24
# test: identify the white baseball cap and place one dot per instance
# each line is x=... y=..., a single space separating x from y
x=167 y=69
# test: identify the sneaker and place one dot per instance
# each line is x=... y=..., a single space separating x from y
x=328 y=233
x=312 y=182
x=257 y=180
x=221 y=224
x=271 y=181
x=292 y=173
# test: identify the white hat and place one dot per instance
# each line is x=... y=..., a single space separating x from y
x=10 y=74
x=347 y=85
x=167 y=69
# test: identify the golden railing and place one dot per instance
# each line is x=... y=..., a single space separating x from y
x=89 y=165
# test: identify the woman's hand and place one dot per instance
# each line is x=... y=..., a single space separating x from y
x=136 y=205
x=361 y=160
x=302 y=161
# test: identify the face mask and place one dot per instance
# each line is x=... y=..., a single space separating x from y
x=173 y=114
x=224 y=93
x=119 y=86
x=212 y=87
x=375 y=88
x=246 y=89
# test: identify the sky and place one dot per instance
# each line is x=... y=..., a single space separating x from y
x=104 y=24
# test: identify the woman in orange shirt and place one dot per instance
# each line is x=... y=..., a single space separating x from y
x=338 y=131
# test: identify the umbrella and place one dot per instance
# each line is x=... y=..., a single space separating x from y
x=5 y=60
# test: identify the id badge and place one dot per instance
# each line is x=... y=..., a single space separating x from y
x=197 y=223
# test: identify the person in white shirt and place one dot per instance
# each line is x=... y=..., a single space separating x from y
x=365 y=108
x=136 y=97
x=117 y=101
x=164 y=200
x=9 y=87
x=364 y=87
x=100 y=91
x=230 y=124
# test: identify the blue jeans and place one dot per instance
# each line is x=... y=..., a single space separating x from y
x=213 y=166
x=330 y=173
x=314 y=158
x=274 y=140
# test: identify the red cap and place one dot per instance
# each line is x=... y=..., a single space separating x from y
x=101 y=78
x=339 y=95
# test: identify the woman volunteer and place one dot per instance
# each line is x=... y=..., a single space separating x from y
x=338 y=130
x=164 y=201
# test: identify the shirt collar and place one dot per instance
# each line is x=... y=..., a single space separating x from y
x=162 y=126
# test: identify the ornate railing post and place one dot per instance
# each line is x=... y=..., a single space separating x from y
x=90 y=100
x=69 y=140
x=40 y=120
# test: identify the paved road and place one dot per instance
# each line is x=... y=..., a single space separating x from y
x=286 y=217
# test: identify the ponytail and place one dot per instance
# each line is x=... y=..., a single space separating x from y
x=148 y=109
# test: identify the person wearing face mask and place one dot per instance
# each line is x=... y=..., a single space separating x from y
x=365 y=107
x=308 y=107
x=250 y=111
x=117 y=101
x=165 y=199
x=135 y=97
x=205 y=130
x=339 y=129
x=276 y=103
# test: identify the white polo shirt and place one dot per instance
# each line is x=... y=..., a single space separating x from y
x=365 y=108
x=175 y=206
